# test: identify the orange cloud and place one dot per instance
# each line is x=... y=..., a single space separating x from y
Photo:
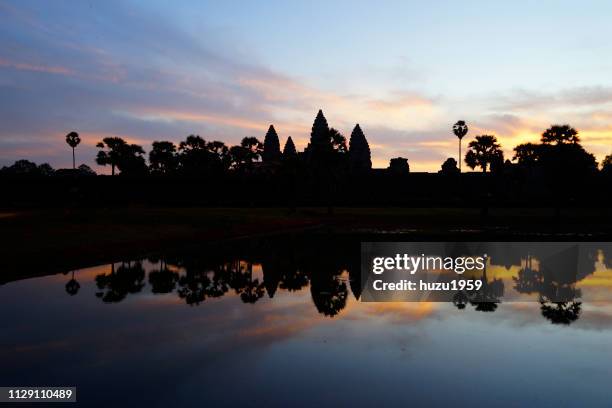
x=36 y=68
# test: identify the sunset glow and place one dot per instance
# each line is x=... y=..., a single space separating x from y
x=156 y=71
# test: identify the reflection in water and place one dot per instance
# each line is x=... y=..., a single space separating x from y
x=554 y=279
x=127 y=279
x=265 y=316
x=72 y=287
x=162 y=280
x=330 y=268
x=561 y=312
x=484 y=300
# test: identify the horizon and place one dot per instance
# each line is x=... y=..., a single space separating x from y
x=154 y=71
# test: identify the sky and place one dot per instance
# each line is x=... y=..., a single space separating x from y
x=404 y=70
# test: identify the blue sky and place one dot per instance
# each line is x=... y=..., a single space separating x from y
x=405 y=71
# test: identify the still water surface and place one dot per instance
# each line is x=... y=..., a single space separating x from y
x=279 y=324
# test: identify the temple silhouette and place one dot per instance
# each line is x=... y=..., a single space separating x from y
x=331 y=171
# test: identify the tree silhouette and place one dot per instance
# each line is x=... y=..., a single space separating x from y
x=567 y=161
x=560 y=134
x=192 y=143
x=220 y=153
x=197 y=157
x=163 y=158
x=249 y=152
x=193 y=156
x=289 y=149
x=116 y=152
x=111 y=156
x=27 y=168
x=566 y=169
x=73 y=141
x=359 y=151
x=271 y=146
x=483 y=151
x=449 y=167
x=399 y=165
x=527 y=153
x=460 y=129
x=24 y=167
x=338 y=141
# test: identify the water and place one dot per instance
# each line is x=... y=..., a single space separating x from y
x=293 y=334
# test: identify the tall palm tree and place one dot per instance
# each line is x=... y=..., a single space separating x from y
x=73 y=141
x=460 y=129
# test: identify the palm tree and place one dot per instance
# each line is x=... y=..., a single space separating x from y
x=560 y=134
x=484 y=151
x=460 y=129
x=118 y=153
x=73 y=141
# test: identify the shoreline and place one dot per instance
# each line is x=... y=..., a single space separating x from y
x=42 y=242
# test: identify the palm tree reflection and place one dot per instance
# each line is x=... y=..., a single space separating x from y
x=490 y=294
x=72 y=287
x=332 y=270
x=554 y=280
x=201 y=281
x=115 y=286
x=162 y=280
x=561 y=312
x=252 y=290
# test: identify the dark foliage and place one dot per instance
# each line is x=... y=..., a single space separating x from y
x=127 y=158
x=483 y=152
x=560 y=134
x=163 y=158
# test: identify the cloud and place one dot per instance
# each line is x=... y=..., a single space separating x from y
x=569 y=98
x=36 y=68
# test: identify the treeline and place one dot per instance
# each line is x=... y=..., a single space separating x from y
x=330 y=171
x=196 y=157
